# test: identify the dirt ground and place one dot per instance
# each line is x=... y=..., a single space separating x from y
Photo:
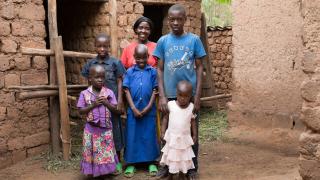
x=231 y=159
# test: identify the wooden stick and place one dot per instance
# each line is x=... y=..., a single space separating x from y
x=220 y=96
x=114 y=28
x=54 y=101
x=50 y=52
x=36 y=94
x=72 y=98
x=63 y=97
x=44 y=87
x=40 y=94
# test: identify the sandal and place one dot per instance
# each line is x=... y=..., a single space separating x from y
x=129 y=172
x=118 y=169
x=153 y=170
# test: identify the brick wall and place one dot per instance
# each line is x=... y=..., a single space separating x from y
x=310 y=139
x=220 y=55
x=24 y=126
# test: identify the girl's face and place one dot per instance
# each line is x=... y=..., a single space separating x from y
x=183 y=98
x=97 y=79
x=143 y=31
x=141 y=58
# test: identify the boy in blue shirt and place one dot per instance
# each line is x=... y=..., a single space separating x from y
x=179 y=55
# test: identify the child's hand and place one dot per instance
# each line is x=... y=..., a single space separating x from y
x=195 y=139
x=144 y=111
x=105 y=101
x=162 y=136
x=120 y=107
x=136 y=113
x=98 y=101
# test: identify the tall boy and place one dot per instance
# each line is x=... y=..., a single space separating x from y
x=114 y=71
x=179 y=55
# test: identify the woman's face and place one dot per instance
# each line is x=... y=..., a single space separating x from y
x=143 y=31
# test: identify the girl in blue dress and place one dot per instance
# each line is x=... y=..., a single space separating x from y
x=140 y=85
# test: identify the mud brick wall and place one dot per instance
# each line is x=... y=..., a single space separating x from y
x=24 y=125
x=220 y=55
x=310 y=139
x=267 y=72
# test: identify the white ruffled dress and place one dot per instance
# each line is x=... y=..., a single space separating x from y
x=178 y=153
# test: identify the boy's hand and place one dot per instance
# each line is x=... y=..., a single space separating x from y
x=136 y=113
x=162 y=136
x=196 y=107
x=195 y=139
x=120 y=107
x=163 y=104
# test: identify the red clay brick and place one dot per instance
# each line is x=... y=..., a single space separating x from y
x=4 y=28
x=17 y=143
x=12 y=80
x=37 y=150
x=9 y=46
x=37 y=139
x=19 y=155
x=39 y=62
x=36 y=78
x=32 y=12
x=21 y=28
x=3 y=112
x=23 y=63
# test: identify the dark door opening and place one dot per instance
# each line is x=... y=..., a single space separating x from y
x=158 y=15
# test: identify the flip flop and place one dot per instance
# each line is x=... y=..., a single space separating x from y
x=118 y=169
x=129 y=172
x=153 y=170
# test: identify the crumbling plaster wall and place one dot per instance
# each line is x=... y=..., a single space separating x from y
x=267 y=71
x=24 y=125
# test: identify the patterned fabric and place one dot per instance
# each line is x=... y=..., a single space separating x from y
x=99 y=155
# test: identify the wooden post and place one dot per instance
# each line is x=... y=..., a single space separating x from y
x=63 y=98
x=207 y=85
x=114 y=28
x=54 y=101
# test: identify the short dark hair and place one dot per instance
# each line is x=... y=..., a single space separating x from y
x=177 y=7
x=102 y=35
x=140 y=20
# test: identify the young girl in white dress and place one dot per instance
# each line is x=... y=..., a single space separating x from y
x=176 y=131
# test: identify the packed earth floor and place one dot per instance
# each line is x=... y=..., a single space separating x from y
x=225 y=154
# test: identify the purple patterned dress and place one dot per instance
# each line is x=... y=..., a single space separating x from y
x=99 y=155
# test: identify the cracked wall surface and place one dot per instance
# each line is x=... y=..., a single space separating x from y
x=267 y=54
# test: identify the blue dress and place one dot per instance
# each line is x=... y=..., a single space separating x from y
x=141 y=137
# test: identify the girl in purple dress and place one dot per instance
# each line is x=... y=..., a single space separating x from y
x=97 y=102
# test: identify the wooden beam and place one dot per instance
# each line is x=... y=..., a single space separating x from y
x=220 y=96
x=45 y=87
x=40 y=94
x=114 y=28
x=63 y=98
x=50 y=52
x=54 y=101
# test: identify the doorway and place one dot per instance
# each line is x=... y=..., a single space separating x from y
x=158 y=14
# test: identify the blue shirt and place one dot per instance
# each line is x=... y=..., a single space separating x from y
x=179 y=54
x=113 y=70
x=141 y=83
